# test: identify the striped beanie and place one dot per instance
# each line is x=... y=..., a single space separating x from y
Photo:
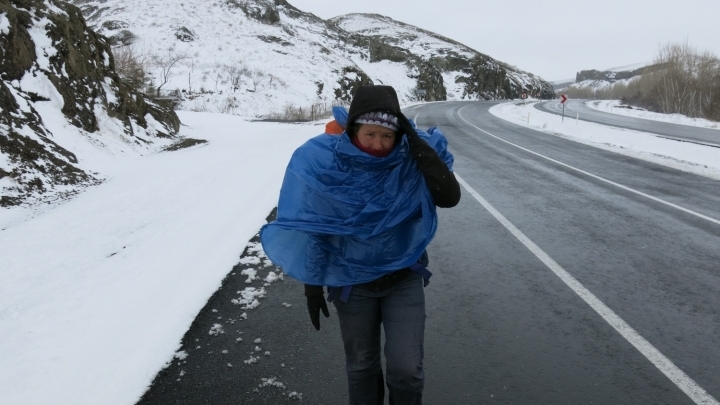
x=384 y=119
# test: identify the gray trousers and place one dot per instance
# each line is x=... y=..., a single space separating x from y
x=401 y=311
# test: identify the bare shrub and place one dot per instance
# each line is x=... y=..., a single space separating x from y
x=235 y=73
x=166 y=63
x=131 y=65
x=293 y=113
x=259 y=78
x=230 y=105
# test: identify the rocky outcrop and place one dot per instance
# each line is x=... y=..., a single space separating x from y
x=352 y=78
x=261 y=10
x=613 y=76
x=430 y=80
x=429 y=56
x=55 y=71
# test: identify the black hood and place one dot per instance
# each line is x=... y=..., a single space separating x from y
x=373 y=98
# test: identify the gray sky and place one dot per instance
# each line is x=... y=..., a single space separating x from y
x=551 y=38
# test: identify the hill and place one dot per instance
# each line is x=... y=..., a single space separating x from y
x=63 y=107
x=254 y=57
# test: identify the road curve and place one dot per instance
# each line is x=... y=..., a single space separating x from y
x=503 y=326
x=577 y=108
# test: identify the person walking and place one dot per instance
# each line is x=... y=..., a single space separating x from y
x=356 y=212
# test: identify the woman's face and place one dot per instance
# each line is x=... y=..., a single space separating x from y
x=376 y=137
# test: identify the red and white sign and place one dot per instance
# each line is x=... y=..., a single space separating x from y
x=523 y=96
x=564 y=99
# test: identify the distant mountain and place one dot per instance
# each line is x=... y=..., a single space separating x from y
x=252 y=57
x=604 y=78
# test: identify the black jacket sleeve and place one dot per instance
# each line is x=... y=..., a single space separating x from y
x=443 y=185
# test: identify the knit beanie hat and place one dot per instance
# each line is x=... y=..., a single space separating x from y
x=384 y=119
x=372 y=99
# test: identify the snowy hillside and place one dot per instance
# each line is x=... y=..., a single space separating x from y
x=65 y=113
x=466 y=73
x=254 y=57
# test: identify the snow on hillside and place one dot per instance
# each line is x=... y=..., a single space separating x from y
x=65 y=112
x=97 y=293
x=254 y=57
x=614 y=107
x=273 y=64
x=603 y=79
x=418 y=41
x=429 y=46
x=600 y=84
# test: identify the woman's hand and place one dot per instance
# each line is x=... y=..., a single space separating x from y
x=316 y=302
x=441 y=182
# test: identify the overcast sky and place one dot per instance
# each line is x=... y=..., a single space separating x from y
x=551 y=38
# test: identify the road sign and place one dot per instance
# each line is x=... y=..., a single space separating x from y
x=564 y=99
x=523 y=96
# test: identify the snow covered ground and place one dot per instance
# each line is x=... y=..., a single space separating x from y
x=97 y=291
x=611 y=106
x=689 y=157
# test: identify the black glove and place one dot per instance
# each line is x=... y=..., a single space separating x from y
x=316 y=302
x=441 y=182
x=410 y=132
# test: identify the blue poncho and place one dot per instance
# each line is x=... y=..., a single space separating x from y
x=346 y=217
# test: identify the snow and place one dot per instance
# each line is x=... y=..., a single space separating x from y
x=414 y=39
x=98 y=291
x=251 y=275
x=44 y=48
x=6 y=182
x=272 y=382
x=4 y=24
x=275 y=66
x=109 y=92
x=611 y=106
x=685 y=156
x=216 y=330
x=249 y=297
x=271 y=278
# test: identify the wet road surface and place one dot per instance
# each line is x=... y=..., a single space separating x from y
x=503 y=327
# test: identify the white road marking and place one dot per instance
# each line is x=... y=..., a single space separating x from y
x=691 y=212
x=677 y=376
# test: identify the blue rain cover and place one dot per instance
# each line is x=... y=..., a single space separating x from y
x=341 y=115
x=346 y=217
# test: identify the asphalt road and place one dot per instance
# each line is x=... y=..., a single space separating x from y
x=503 y=327
x=577 y=108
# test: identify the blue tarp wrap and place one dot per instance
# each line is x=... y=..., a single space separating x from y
x=345 y=217
x=341 y=115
